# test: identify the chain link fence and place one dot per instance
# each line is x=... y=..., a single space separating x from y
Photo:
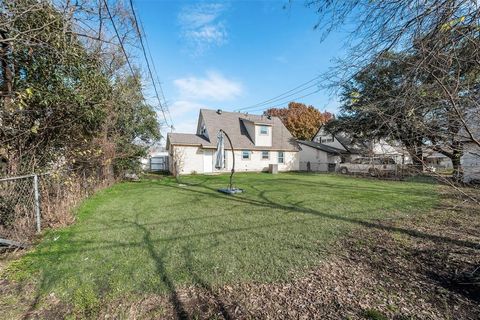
x=19 y=209
x=31 y=203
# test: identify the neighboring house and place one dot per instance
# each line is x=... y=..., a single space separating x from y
x=316 y=156
x=436 y=160
x=354 y=149
x=470 y=161
x=258 y=141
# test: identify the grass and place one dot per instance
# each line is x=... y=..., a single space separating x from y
x=155 y=236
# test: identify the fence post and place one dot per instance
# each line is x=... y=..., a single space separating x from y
x=37 y=202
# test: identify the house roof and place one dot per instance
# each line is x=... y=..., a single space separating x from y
x=186 y=138
x=323 y=147
x=233 y=123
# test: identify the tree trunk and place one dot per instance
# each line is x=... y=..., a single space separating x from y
x=416 y=153
x=457 y=167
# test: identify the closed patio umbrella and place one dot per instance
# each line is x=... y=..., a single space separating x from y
x=220 y=159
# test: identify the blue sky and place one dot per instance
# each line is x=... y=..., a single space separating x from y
x=229 y=55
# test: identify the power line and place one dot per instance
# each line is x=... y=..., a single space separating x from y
x=283 y=95
x=119 y=39
x=285 y=101
x=148 y=64
x=271 y=101
x=156 y=75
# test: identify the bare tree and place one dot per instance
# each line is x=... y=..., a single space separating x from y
x=437 y=94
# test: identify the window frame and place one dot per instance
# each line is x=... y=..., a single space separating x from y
x=326 y=140
x=264 y=127
x=268 y=155
x=281 y=157
x=249 y=154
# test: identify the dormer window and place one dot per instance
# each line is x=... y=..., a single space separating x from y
x=264 y=130
x=203 y=131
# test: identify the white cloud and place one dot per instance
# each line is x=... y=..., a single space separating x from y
x=202 y=27
x=181 y=107
x=212 y=87
x=187 y=125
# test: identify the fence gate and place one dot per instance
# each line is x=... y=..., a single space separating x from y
x=19 y=210
x=159 y=163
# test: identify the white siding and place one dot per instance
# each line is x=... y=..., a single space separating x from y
x=470 y=162
x=263 y=140
x=318 y=159
x=192 y=160
x=336 y=144
x=189 y=159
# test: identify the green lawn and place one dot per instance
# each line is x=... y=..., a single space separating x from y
x=157 y=235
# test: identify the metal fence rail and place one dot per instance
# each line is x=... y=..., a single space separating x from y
x=19 y=209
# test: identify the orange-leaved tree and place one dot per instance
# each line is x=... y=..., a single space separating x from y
x=301 y=120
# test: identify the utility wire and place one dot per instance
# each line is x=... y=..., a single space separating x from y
x=271 y=101
x=148 y=63
x=283 y=95
x=284 y=102
x=119 y=39
x=156 y=76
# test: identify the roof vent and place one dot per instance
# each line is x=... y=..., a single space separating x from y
x=219 y=111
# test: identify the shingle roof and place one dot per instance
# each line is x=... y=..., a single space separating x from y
x=323 y=147
x=186 y=138
x=233 y=124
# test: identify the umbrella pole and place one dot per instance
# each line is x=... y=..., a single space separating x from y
x=233 y=157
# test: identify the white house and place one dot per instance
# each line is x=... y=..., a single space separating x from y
x=258 y=141
x=470 y=160
x=316 y=156
x=354 y=148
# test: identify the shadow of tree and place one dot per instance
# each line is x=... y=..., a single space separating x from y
x=202 y=190
x=268 y=203
x=158 y=258
x=187 y=253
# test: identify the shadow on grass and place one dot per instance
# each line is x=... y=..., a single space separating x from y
x=268 y=203
x=187 y=254
x=200 y=190
x=158 y=259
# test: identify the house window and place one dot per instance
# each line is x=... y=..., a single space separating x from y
x=245 y=154
x=280 y=157
x=264 y=130
x=265 y=155
x=327 y=140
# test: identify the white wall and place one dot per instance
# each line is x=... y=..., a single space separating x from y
x=336 y=144
x=193 y=160
x=318 y=159
x=263 y=140
x=470 y=162
x=256 y=163
x=190 y=159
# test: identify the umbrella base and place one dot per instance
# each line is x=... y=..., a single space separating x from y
x=230 y=191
